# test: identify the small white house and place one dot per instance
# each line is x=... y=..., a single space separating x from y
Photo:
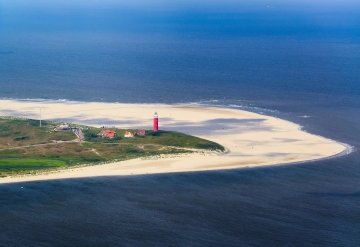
x=128 y=134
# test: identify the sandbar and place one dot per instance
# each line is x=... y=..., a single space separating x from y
x=250 y=139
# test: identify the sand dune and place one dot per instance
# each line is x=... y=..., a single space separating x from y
x=250 y=139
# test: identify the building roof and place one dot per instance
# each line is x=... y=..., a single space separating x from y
x=129 y=134
x=140 y=132
x=108 y=133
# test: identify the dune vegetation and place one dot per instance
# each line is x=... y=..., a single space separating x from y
x=27 y=148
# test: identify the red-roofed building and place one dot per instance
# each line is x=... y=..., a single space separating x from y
x=141 y=132
x=108 y=134
x=129 y=134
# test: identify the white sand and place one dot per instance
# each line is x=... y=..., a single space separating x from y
x=251 y=139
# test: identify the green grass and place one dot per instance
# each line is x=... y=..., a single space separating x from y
x=15 y=132
x=18 y=154
x=21 y=165
x=16 y=163
x=164 y=138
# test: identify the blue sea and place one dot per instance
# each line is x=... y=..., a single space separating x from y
x=297 y=60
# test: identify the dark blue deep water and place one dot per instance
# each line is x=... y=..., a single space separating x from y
x=290 y=59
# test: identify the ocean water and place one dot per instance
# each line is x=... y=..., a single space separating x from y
x=296 y=60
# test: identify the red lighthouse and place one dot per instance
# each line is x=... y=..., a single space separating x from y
x=156 y=122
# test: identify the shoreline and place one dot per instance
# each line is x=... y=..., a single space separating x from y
x=276 y=141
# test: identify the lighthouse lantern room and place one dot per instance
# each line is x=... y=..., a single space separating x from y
x=156 y=122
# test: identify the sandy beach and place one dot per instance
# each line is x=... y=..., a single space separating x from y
x=250 y=139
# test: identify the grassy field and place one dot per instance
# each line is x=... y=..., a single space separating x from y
x=164 y=138
x=16 y=132
x=26 y=148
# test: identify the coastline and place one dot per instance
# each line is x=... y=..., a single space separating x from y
x=252 y=139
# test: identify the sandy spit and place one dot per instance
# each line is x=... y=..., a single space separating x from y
x=250 y=139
